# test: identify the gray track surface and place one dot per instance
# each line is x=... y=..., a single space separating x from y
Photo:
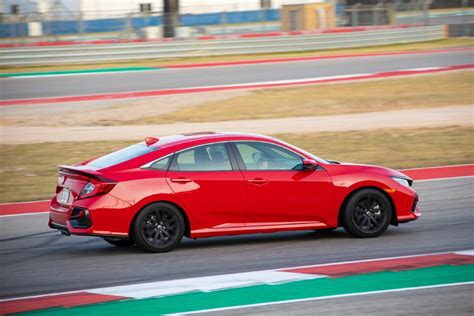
x=37 y=260
x=39 y=87
x=456 y=300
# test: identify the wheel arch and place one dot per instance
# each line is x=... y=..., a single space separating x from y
x=394 y=220
x=187 y=225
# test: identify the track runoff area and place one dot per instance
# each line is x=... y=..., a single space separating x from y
x=258 y=288
x=221 y=293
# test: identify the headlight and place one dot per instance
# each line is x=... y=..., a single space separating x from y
x=403 y=181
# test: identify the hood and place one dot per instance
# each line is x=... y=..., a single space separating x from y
x=374 y=169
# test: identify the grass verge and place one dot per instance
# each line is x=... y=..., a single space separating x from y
x=439 y=44
x=376 y=95
x=28 y=172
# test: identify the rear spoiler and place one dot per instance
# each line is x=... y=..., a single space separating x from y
x=84 y=171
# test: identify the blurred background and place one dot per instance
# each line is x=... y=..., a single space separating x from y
x=79 y=20
x=386 y=82
x=75 y=76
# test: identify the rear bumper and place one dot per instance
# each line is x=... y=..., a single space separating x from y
x=62 y=229
x=81 y=219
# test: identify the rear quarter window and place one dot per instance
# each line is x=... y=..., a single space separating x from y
x=122 y=155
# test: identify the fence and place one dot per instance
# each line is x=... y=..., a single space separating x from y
x=194 y=48
x=62 y=24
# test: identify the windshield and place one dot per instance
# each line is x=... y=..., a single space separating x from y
x=122 y=155
x=307 y=153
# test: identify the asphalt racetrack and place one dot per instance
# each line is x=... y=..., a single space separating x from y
x=37 y=260
x=73 y=85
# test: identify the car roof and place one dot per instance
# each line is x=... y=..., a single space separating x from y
x=173 y=140
x=168 y=144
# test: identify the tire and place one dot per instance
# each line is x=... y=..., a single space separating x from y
x=367 y=214
x=119 y=242
x=159 y=227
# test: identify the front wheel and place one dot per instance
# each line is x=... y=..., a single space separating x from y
x=367 y=214
x=159 y=227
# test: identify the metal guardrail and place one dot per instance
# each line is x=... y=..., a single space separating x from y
x=177 y=49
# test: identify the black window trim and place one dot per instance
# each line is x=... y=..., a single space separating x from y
x=151 y=163
x=241 y=160
x=236 y=160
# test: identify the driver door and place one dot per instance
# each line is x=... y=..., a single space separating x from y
x=279 y=191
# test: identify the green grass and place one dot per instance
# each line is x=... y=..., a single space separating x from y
x=28 y=172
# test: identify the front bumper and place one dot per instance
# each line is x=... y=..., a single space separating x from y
x=407 y=208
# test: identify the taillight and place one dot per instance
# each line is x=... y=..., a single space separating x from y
x=61 y=180
x=93 y=189
x=60 y=183
x=88 y=189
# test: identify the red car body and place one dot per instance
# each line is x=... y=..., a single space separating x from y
x=222 y=202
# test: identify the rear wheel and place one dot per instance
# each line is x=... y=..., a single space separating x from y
x=367 y=214
x=119 y=242
x=159 y=227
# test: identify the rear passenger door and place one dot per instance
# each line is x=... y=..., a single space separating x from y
x=209 y=185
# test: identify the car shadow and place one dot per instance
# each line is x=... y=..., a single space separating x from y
x=95 y=246
x=261 y=238
x=98 y=247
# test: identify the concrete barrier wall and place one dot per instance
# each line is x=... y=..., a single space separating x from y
x=219 y=47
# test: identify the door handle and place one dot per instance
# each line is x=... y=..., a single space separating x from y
x=181 y=180
x=258 y=181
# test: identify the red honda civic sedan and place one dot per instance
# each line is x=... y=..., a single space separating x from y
x=213 y=184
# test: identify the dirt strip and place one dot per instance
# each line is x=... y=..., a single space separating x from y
x=428 y=117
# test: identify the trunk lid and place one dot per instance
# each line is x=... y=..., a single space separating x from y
x=72 y=180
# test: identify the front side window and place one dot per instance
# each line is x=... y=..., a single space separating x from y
x=264 y=156
x=203 y=158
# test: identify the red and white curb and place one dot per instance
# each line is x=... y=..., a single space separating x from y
x=313 y=58
x=228 y=281
x=243 y=86
x=205 y=284
x=24 y=208
x=440 y=172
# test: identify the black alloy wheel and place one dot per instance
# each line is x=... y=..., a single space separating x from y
x=159 y=227
x=368 y=213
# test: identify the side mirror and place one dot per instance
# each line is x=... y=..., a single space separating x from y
x=310 y=164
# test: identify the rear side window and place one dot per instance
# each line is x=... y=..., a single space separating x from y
x=203 y=158
x=122 y=155
x=161 y=164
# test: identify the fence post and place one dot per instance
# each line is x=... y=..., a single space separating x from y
x=465 y=18
x=81 y=26
x=128 y=26
x=355 y=14
x=224 y=22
